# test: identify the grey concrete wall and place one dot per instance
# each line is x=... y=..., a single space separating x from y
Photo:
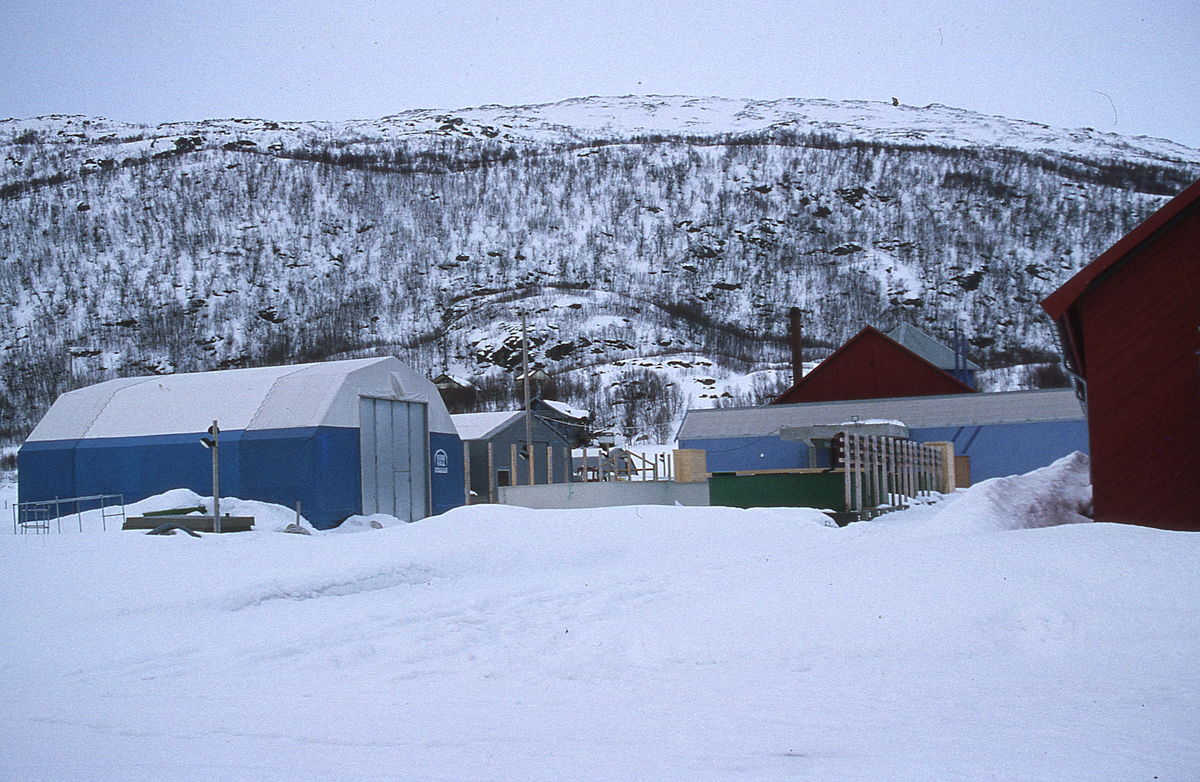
x=605 y=494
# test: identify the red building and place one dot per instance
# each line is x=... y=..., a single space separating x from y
x=872 y=366
x=1129 y=325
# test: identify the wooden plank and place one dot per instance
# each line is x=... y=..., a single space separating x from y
x=194 y=523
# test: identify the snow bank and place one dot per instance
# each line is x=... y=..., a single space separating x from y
x=665 y=643
x=1058 y=494
x=956 y=640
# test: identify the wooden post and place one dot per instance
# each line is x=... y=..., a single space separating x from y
x=907 y=470
x=491 y=472
x=876 y=467
x=514 y=476
x=888 y=467
x=549 y=464
x=467 y=473
x=858 y=472
x=845 y=470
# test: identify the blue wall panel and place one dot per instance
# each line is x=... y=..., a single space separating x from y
x=316 y=466
x=447 y=478
x=751 y=453
x=140 y=467
x=136 y=467
x=46 y=470
x=999 y=450
x=996 y=450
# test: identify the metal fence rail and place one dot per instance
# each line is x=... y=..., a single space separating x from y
x=38 y=516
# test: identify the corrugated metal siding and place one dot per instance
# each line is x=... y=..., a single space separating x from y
x=1140 y=326
x=916 y=412
x=997 y=450
x=1004 y=434
x=317 y=466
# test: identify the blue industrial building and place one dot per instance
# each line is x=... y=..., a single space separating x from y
x=1002 y=433
x=342 y=438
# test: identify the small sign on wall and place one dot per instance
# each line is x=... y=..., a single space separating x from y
x=441 y=462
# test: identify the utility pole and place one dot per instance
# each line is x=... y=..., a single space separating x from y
x=211 y=444
x=528 y=417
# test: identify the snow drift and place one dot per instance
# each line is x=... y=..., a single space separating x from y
x=1058 y=494
x=499 y=643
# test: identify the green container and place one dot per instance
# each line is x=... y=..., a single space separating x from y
x=824 y=490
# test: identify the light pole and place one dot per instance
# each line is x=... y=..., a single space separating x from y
x=528 y=417
x=211 y=444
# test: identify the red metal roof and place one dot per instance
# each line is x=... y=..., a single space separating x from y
x=872 y=365
x=1056 y=303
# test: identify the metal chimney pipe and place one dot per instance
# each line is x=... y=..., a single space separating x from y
x=794 y=334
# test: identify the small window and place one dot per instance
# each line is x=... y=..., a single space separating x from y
x=502 y=478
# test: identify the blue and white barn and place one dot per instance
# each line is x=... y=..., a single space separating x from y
x=1005 y=433
x=342 y=438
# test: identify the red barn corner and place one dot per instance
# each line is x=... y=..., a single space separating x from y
x=1129 y=326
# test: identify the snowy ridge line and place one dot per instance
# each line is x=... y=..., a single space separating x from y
x=631 y=117
x=316 y=587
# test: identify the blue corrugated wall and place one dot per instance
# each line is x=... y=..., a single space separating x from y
x=137 y=467
x=46 y=470
x=317 y=466
x=996 y=450
x=1010 y=449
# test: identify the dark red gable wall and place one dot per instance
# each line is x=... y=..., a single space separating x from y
x=1142 y=349
x=872 y=366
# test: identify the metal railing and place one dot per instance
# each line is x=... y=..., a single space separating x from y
x=621 y=465
x=38 y=516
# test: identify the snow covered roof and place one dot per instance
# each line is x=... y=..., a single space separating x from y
x=918 y=412
x=452 y=381
x=479 y=426
x=927 y=347
x=568 y=411
x=288 y=397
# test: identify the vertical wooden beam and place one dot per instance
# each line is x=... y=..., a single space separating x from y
x=858 y=471
x=845 y=470
x=491 y=471
x=467 y=473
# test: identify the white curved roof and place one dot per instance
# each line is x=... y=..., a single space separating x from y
x=288 y=397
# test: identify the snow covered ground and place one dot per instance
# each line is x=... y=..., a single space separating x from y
x=961 y=640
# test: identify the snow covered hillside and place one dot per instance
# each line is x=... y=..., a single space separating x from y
x=642 y=230
x=946 y=642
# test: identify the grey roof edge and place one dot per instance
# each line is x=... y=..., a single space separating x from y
x=923 y=412
x=927 y=347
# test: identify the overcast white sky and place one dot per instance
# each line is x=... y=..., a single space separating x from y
x=1127 y=67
